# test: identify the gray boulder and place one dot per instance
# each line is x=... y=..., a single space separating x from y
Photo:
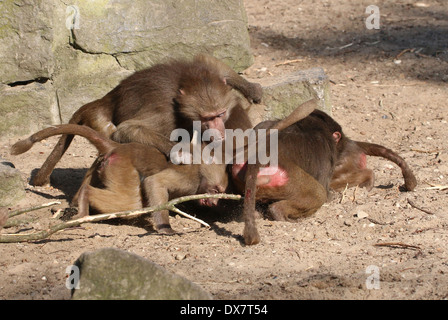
x=27 y=108
x=110 y=274
x=282 y=94
x=75 y=52
x=12 y=187
x=140 y=33
x=26 y=36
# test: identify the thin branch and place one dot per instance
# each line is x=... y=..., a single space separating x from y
x=17 y=222
x=378 y=222
x=397 y=244
x=343 y=193
x=21 y=211
x=426 y=151
x=6 y=222
x=354 y=194
x=403 y=52
x=174 y=209
x=288 y=62
x=418 y=208
x=170 y=205
x=436 y=187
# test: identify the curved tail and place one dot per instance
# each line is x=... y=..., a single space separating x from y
x=102 y=143
x=299 y=113
x=376 y=150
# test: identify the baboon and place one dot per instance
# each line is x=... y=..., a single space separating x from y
x=148 y=105
x=314 y=156
x=114 y=182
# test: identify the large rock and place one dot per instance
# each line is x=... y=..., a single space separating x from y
x=75 y=52
x=283 y=94
x=140 y=33
x=12 y=187
x=110 y=274
x=27 y=108
x=26 y=36
x=92 y=76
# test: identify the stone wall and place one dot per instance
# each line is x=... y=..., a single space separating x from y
x=57 y=55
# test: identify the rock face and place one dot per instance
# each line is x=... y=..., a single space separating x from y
x=283 y=94
x=56 y=57
x=109 y=274
x=26 y=35
x=12 y=187
x=158 y=28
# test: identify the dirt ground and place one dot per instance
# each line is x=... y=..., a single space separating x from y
x=388 y=86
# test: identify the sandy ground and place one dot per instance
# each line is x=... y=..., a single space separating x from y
x=380 y=93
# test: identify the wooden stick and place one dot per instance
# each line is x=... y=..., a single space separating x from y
x=354 y=194
x=424 y=151
x=21 y=211
x=403 y=52
x=441 y=188
x=378 y=222
x=174 y=209
x=170 y=205
x=343 y=193
x=288 y=62
x=17 y=222
x=396 y=244
x=418 y=208
x=436 y=187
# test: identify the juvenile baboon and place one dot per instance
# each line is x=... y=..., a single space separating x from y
x=148 y=105
x=314 y=156
x=132 y=175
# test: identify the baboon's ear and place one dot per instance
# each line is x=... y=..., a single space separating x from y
x=337 y=136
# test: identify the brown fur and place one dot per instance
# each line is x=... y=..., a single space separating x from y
x=148 y=105
x=309 y=174
x=116 y=172
x=315 y=161
x=113 y=183
x=351 y=171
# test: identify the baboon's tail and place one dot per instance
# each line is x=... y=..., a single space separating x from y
x=376 y=150
x=102 y=143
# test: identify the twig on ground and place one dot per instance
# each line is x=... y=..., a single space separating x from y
x=397 y=244
x=58 y=214
x=343 y=193
x=6 y=222
x=21 y=211
x=170 y=205
x=426 y=151
x=418 y=208
x=379 y=223
x=354 y=194
x=288 y=62
x=346 y=46
x=436 y=187
x=403 y=52
x=174 y=209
